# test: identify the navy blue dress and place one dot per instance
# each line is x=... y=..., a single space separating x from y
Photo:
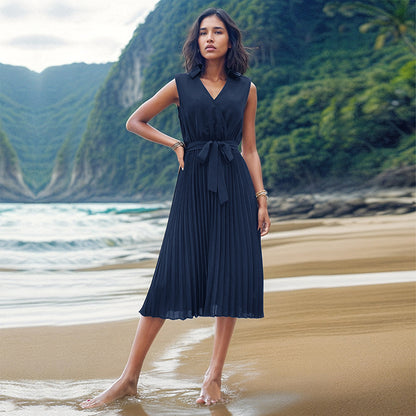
x=210 y=262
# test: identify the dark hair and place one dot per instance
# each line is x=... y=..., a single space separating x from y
x=236 y=59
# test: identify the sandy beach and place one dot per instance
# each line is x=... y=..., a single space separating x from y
x=338 y=351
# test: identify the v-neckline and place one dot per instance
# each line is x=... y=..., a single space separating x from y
x=206 y=89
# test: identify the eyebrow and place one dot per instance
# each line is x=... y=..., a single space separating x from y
x=215 y=27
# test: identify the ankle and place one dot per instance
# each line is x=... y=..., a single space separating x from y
x=213 y=376
x=128 y=381
x=131 y=375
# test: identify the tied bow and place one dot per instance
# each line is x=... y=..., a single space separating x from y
x=216 y=153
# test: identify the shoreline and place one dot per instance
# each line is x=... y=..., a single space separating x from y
x=334 y=351
x=339 y=351
x=381 y=243
x=328 y=246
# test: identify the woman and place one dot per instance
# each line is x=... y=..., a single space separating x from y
x=210 y=261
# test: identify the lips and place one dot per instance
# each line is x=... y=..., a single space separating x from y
x=210 y=48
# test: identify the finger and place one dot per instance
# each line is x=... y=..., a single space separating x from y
x=266 y=228
x=263 y=229
x=262 y=221
x=181 y=162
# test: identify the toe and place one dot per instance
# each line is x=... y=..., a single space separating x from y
x=88 y=404
x=200 y=400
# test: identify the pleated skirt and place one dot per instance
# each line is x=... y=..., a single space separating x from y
x=210 y=262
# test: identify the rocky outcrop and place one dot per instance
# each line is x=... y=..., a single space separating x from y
x=38 y=111
x=372 y=201
x=95 y=167
x=12 y=187
x=394 y=178
x=131 y=91
x=57 y=185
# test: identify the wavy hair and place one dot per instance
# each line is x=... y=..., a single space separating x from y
x=236 y=59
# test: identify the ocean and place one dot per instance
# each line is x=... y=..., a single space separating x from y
x=53 y=260
x=44 y=247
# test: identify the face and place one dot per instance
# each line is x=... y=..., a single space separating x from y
x=213 y=40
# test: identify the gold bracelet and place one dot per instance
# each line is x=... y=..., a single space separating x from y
x=263 y=192
x=177 y=144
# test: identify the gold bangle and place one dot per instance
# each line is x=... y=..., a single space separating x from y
x=177 y=144
x=263 y=192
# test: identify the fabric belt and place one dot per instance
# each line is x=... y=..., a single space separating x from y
x=215 y=153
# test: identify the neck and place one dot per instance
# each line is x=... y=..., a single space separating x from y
x=215 y=70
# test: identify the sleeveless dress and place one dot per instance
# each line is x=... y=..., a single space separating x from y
x=210 y=262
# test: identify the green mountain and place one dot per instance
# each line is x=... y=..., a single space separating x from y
x=39 y=112
x=12 y=187
x=331 y=108
x=336 y=101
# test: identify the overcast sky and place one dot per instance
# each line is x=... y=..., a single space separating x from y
x=42 y=33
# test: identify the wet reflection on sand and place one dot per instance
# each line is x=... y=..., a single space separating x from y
x=63 y=397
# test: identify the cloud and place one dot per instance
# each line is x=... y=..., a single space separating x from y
x=60 y=11
x=14 y=10
x=37 y=42
x=138 y=16
x=41 y=33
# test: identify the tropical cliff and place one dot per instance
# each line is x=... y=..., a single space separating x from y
x=336 y=101
x=12 y=186
x=40 y=112
x=332 y=108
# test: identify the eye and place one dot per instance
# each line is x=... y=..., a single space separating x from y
x=202 y=33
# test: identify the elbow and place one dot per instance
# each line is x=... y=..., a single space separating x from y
x=129 y=126
x=135 y=125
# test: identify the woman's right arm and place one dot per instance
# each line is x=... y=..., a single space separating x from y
x=138 y=121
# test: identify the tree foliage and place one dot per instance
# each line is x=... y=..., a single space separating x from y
x=330 y=105
x=38 y=111
x=393 y=19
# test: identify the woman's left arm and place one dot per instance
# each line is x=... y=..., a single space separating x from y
x=252 y=159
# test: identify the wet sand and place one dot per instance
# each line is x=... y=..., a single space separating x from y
x=339 y=351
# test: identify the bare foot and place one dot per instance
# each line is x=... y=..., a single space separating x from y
x=210 y=391
x=119 y=389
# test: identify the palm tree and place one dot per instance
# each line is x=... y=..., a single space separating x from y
x=394 y=19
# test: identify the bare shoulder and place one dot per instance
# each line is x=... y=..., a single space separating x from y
x=169 y=93
x=252 y=96
x=253 y=89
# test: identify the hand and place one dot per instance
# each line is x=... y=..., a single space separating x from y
x=264 y=221
x=180 y=152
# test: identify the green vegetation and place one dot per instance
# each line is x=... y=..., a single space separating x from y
x=350 y=125
x=8 y=157
x=331 y=107
x=336 y=100
x=38 y=111
x=393 y=19
x=11 y=186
